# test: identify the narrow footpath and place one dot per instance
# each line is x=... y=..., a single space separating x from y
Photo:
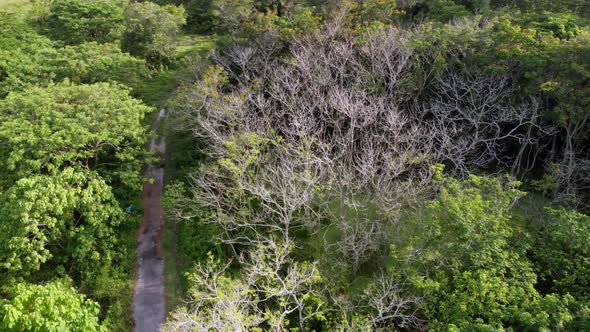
x=149 y=309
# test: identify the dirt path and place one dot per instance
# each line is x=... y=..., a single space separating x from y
x=149 y=309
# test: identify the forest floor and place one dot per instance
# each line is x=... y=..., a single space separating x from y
x=149 y=307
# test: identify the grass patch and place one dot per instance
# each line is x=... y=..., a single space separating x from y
x=156 y=90
x=175 y=266
x=199 y=44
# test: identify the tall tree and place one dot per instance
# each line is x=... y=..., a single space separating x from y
x=69 y=219
x=77 y=21
x=96 y=127
x=52 y=307
x=152 y=31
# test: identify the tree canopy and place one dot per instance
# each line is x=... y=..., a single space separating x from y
x=69 y=218
x=96 y=127
x=337 y=165
x=77 y=21
x=152 y=31
x=52 y=307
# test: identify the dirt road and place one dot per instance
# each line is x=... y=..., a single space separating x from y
x=149 y=308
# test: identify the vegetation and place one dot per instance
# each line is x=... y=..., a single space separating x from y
x=381 y=165
x=340 y=165
x=51 y=307
x=152 y=31
x=74 y=135
x=79 y=21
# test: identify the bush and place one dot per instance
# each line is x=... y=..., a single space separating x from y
x=77 y=21
x=152 y=31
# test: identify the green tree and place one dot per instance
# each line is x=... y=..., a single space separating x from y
x=52 y=307
x=287 y=26
x=459 y=256
x=26 y=58
x=581 y=7
x=93 y=62
x=97 y=127
x=368 y=12
x=77 y=21
x=152 y=31
x=444 y=10
x=229 y=15
x=199 y=17
x=560 y=251
x=69 y=218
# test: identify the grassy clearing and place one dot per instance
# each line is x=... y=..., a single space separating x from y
x=199 y=44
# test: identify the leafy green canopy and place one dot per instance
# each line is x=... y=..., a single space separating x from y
x=96 y=127
x=561 y=251
x=26 y=57
x=93 y=62
x=459 y=255
x=70 y=218
x=53 y=307
x=152 y=31
x=581 y=7
x=77 y=21
x=553 y=61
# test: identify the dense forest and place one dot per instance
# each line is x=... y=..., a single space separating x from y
x=332 y=165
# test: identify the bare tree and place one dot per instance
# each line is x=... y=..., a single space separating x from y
x=390 y=306
x=474 y=122
x=326 y=136
x=272 y=288
x=573 y=164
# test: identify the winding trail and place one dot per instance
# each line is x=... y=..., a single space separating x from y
x=149 y=309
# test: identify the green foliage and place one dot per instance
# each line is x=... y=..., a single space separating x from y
x=93 y=62
x=77 y=21
x=71 y=155
x=95 y=126
x=199 y=18
x=197 y=239
x=71 y=218
x=562 y=26
x=52 y=307
x=458 y=254
x=152 y=31
x=440 y=47
x=580 y=7
x=560 y=251
x=550 y=57
x=444 y=10
x=228 y=15
x=366 y=13
x=26 y=57
x=294 y=23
